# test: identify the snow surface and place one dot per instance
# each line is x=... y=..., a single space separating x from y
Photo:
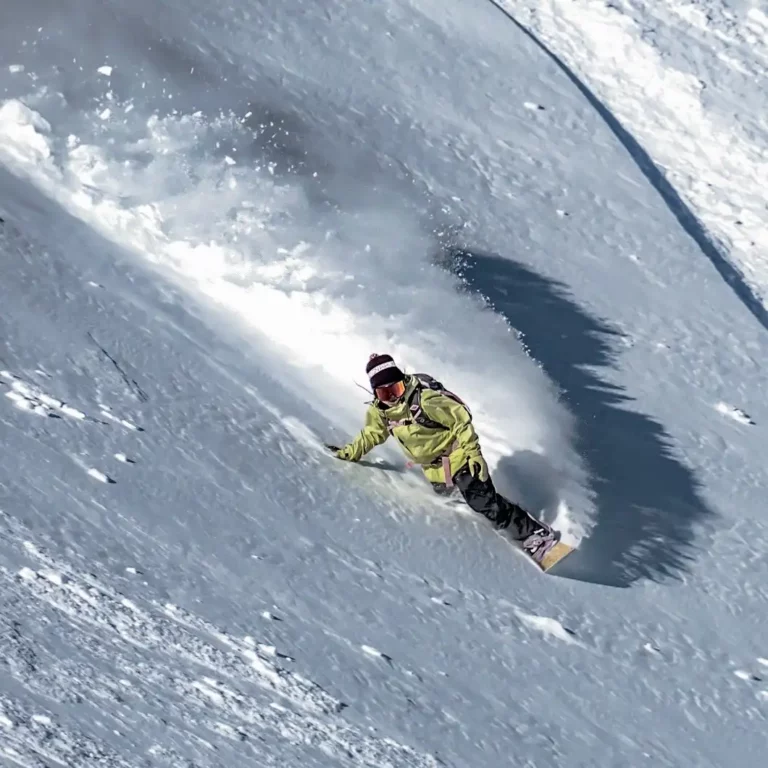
x=212 y=214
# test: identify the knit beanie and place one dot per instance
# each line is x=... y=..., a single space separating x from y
x=381 y=370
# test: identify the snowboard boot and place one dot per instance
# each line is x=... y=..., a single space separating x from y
x=540 y=542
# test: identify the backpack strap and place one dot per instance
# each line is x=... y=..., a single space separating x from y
x=417 y=415
x=417 y=412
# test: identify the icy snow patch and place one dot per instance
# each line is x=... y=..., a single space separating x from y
x=747 y=676
x=371 y=651
x=734 y=413
x=98 y=475
x=547 y=626
x=28 y=397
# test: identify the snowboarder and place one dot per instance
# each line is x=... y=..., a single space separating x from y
x=434 y=429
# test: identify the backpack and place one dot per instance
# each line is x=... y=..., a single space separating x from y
x=425 y=381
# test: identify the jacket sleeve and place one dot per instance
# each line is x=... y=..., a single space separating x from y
x=455 y=417
x=374 y=433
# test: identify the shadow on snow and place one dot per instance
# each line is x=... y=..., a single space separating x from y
x=648 y=503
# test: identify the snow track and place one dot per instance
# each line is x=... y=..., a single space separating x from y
x=294 y=278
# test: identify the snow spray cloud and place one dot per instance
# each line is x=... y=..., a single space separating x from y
x=315 y=283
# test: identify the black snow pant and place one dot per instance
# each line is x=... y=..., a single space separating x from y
x=482 y=497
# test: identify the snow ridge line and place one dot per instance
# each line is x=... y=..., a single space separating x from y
x=690 y=223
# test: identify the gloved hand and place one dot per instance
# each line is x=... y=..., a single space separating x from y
x=339 y=453
x=478 y=467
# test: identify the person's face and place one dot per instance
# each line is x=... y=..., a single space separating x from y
x=391 y=393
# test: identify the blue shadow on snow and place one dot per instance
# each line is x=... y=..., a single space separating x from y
x=648 y=503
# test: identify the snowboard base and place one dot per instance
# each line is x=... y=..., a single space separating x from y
x=554 y=556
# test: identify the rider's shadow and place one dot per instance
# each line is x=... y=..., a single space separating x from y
x=383 y=464
x=649 y=507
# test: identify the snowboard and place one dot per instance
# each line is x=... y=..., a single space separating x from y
x=549 y=561
x=554 y=556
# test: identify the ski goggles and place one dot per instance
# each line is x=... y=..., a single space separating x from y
x=391 y=392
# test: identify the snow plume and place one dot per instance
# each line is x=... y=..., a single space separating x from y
x=313 y=285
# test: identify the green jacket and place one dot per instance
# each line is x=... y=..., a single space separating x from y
x=422 y=445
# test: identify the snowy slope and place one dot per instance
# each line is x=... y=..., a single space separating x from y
x=704 y=66
x=211 y=216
